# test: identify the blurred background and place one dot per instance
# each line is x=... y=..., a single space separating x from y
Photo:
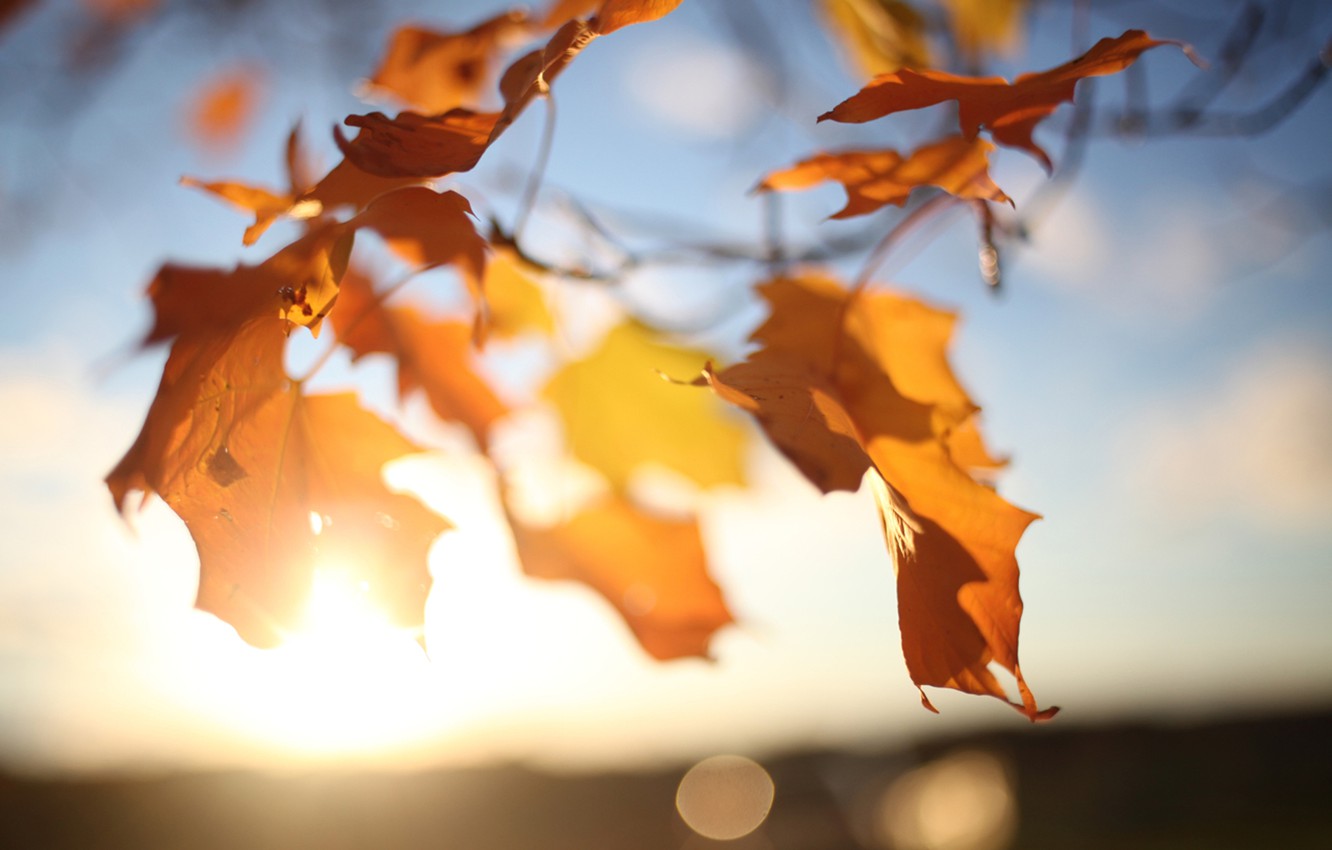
x=1158 y=362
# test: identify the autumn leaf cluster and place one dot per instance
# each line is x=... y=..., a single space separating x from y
x=852 y=383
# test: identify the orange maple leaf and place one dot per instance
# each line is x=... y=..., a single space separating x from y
x=846 y=383
x=305 y=199
x=438 y=71
x=275 y=485
x=609 y=15
x=653 y=570
x=223 y=108
x=428 y=229
x=515 y=302
x=418 y=146
x=348 y=186
x=433 y=355
x=423 y=227
x=249 y=462
x=298 y=283
x=873 y=179
x=615 y=14
x=414 y=145
x=1009 y=111
x=268 y=206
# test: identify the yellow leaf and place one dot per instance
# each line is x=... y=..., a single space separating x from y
x=881 y=36
x=619 y=412
x=515 y=302
x=986 y=26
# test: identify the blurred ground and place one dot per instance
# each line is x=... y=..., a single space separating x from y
x=1239 y=783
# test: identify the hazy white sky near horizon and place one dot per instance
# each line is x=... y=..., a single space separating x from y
x=1160 y=367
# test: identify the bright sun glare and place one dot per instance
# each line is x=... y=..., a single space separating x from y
x=340 y=611
x=348 y=682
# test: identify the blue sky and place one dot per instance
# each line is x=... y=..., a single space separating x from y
x=1159 y=365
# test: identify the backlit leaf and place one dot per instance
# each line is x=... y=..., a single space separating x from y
x=1009 y=111
x=348 y=186
x=428 y=229
x=845 y=383
x=610 y=15
x=423 y=227
x=615 y=14
x=299 y=284
x=223 y=109
x=413 y=145
x=344 y=186
x=879 y=36
x=515 y=302
x=653 y=570
x=247 y=460
x=267 y=206
x=873 y=179
x=619 y=413
x=431 y=354
x=417 y=146
x=438 y=71
x=985 y=26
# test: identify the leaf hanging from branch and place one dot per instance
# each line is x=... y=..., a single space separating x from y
x=1009 y=111
x=437 y=71
x=874 y=179
x=432 y=355
x=846 y=382
x=652 y=570
x=274 y=485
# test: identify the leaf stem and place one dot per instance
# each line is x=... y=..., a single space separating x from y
x=893 y=237
x=538 y=174
x=775 y=245
x=877 y=255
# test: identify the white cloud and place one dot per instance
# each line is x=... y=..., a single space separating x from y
x=697 y=88
x=1253 y=449
x=1161 y=260
x=1071 y=246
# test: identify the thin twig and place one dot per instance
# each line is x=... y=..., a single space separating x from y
x=1252 y=123
x=1234 y=50
x=538 y=172
x=773 y=232
x=893 y=237
x=1044 y=199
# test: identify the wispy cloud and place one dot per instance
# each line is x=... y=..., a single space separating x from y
x=1252 y=447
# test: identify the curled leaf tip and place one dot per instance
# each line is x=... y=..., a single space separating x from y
x=1043 y=715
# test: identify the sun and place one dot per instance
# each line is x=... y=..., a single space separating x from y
x=347 y=683
x=340 y=614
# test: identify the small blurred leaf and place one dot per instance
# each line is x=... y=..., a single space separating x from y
x=872 y=179
x=879 y=36
x=619 y=413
